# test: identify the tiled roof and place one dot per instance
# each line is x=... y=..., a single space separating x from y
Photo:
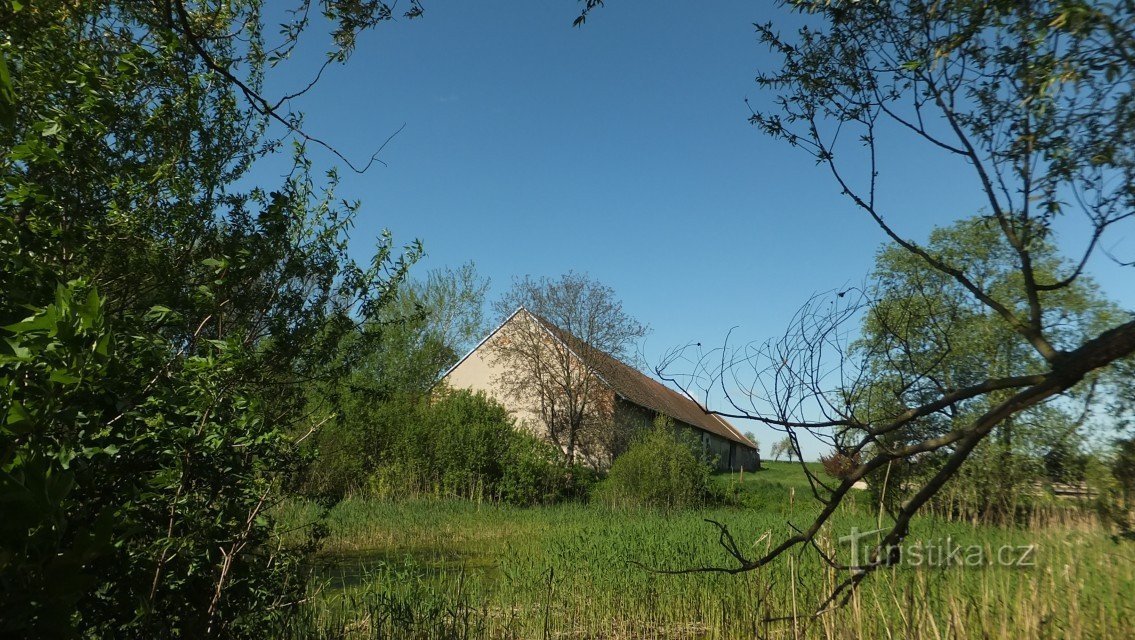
x=639 y=388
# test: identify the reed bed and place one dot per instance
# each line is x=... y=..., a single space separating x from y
x=456 y=569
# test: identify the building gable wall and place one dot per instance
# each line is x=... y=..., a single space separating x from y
x=479 y=371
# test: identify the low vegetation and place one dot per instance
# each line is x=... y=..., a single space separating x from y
x=459 y=569
x=448 y=444
x=664 y=468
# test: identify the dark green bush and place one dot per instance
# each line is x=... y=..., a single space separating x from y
x=531 y=475
x=455 y=443
x=664 y=468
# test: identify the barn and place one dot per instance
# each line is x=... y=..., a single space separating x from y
x=630 y=398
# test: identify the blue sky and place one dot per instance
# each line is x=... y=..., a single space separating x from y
x=621 y=149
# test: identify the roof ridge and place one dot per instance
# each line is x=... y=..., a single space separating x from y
x=478 y=345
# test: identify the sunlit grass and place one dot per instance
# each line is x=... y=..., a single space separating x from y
x=460 y=569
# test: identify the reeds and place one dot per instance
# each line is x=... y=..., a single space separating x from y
x=452 y=569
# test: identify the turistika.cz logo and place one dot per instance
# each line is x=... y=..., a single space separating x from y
x=935 y=554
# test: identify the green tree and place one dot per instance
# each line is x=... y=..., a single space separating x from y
x=427 y=326
x=782 y=447
x=161 y=323
x=923 y=333
x=431 y=323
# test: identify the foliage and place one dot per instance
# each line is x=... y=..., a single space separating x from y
x=1123 y=467
x=665 y=468
x=783 y=447
x=458 y=444
x=451 y=443
x=160 y=321
x=1122 y=405
x=1113 y=481
x=533 y=474
x=1066 y=461
x=422 y=332
x=925 y=332
x=429 y=325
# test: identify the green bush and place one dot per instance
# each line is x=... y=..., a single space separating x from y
x=530 y=475
x=164 y=313
x=664 y=468
x=455 y=443
x=458 y=442
x=349 y=452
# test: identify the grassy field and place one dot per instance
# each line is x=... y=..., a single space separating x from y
x=786 y=474
x=457 y=569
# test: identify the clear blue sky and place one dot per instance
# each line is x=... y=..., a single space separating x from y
x=621 y=149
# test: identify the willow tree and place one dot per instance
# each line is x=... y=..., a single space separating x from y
x=1034 y=101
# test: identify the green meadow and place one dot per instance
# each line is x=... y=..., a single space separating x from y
x=444 y=568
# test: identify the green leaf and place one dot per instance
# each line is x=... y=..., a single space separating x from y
x=59 y=485
x=158 y=313
x=44 y=320
x=19 y=420
x=7 y=95
x=102 y=346
x=94 y=303
x=15 y=349
x=63 y=377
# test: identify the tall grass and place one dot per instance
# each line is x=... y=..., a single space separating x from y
x=451 y=569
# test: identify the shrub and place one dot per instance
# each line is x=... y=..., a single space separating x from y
x=839 y=465
x=456 y=443
x=468 y=445
x=461 y=442
x=1123 y=466
x=350 y=451
x=533 y=474
x=664 y=468
x=1113 y=483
